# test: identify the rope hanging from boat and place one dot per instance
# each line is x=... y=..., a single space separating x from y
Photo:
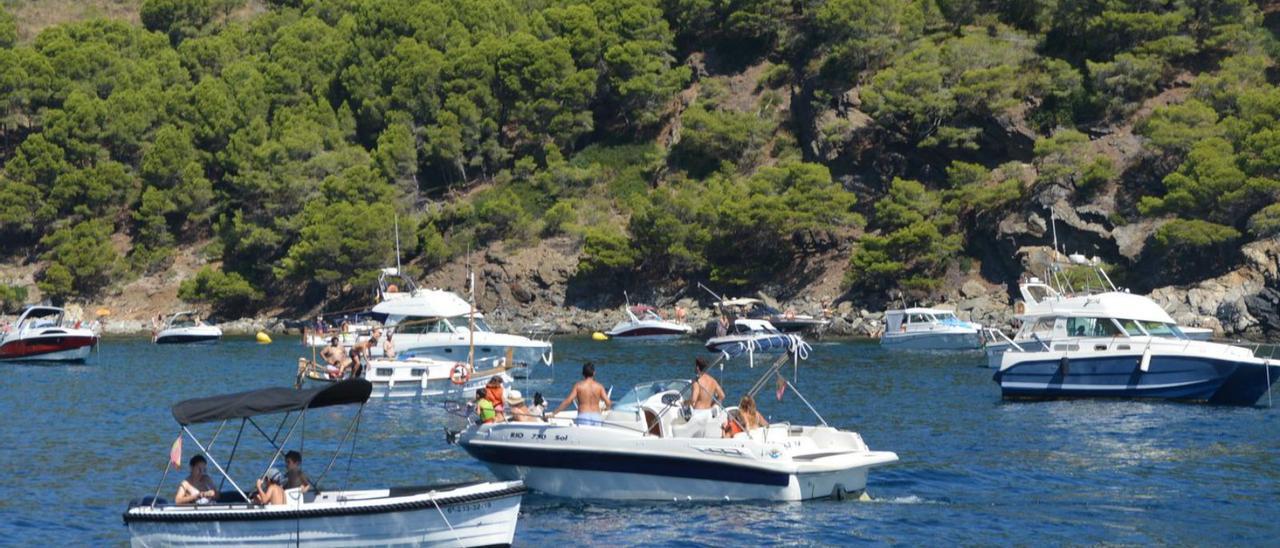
x=446 y=520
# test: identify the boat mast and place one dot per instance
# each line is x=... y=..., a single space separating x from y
x=471 y=318
x=397 y=223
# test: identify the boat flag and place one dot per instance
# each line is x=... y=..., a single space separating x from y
x=175 y=453
x=782 y=387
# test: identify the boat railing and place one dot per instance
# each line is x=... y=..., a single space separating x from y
x=991 y=333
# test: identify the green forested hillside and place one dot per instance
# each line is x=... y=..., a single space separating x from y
x=673 y=139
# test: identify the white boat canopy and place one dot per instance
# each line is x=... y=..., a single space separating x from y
x=427 y=303
x=1114 y=304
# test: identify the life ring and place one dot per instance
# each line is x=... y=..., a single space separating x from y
x=460 y=373
x=1019 y=308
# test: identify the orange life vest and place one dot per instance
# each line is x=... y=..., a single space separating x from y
x=732 y=427
x=494 y=394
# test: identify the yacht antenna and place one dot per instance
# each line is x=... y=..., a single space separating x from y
x=471 y=318
x=397 y=222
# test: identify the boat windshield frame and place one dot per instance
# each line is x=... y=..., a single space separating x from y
x=667 y=385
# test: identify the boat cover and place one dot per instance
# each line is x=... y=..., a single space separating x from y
x=269 y=400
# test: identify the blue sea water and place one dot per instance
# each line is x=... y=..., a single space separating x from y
x=80 y=441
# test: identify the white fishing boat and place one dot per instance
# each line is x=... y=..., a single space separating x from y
x=186 y=327
x=43 y=333
x=414 y=377
x=644 y=323
x=1042 y=304
x=929 y=329
x=440 y=324
x=747 y=335
x=1120 y=353
x=469 y=514
x=647 y=448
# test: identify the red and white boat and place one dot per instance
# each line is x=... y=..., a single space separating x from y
x=43 y=333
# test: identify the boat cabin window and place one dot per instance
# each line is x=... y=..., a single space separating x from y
x=1131 y=327
x=917 y=318
x=1038 y=292
x=946 y=317
x=462 y=323
x=1157 y=329
x=1093 y=327
x=419 y=325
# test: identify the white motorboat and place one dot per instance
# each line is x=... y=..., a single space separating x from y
x=1119 y=353
x=751 y=336
x=414 y=377
x=440 y=324
x=647 y=448
x=929 y=329
x=788 y=321
x=470 y=514
x=186 y=327
x=43 y=333
x=644 y=323
x=1042 y=303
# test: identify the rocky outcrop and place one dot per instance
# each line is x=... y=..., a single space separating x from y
x=1243 y=303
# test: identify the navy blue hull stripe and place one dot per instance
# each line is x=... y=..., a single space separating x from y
x=1167 y=377
x=178 y=339
x=651 y=465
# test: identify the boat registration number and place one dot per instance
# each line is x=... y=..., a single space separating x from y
x=463 y=508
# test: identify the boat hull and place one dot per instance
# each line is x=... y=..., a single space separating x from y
x=1171 y=377
x=666 y=469
x=465 y=521
x=647 y=333
x=932 y=341
x=610 y=485
x=188 y=338
x=62 y=347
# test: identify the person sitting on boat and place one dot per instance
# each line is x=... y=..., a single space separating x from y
x=388 y=348
x=705 y=394
x=198 y=488
x=493 y=392
x=519 y=411
x=295 y=478
x=270 y=488
x=588 y=394
x=335 y=358
x=484 y=408
x=539 y=407
x=746 y=418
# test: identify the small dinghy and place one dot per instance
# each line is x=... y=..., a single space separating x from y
x=187 y=328
x=752 y=336
x=467 y=514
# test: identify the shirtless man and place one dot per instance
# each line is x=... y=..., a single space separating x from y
x=335 y=357
x=360 y=352
x=705 y=394
x=588 y=393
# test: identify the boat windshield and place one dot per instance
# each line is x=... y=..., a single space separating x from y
x=419 y=325
x=1131 y=327
x=461 y=323
x=1157 y=329
x=1093 y=327
x=643 y=391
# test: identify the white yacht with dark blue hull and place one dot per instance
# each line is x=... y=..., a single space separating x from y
x=1119 y=358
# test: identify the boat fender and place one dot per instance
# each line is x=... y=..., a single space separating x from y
x=460 y=373
x=1064 y=365
x=1144 y=363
